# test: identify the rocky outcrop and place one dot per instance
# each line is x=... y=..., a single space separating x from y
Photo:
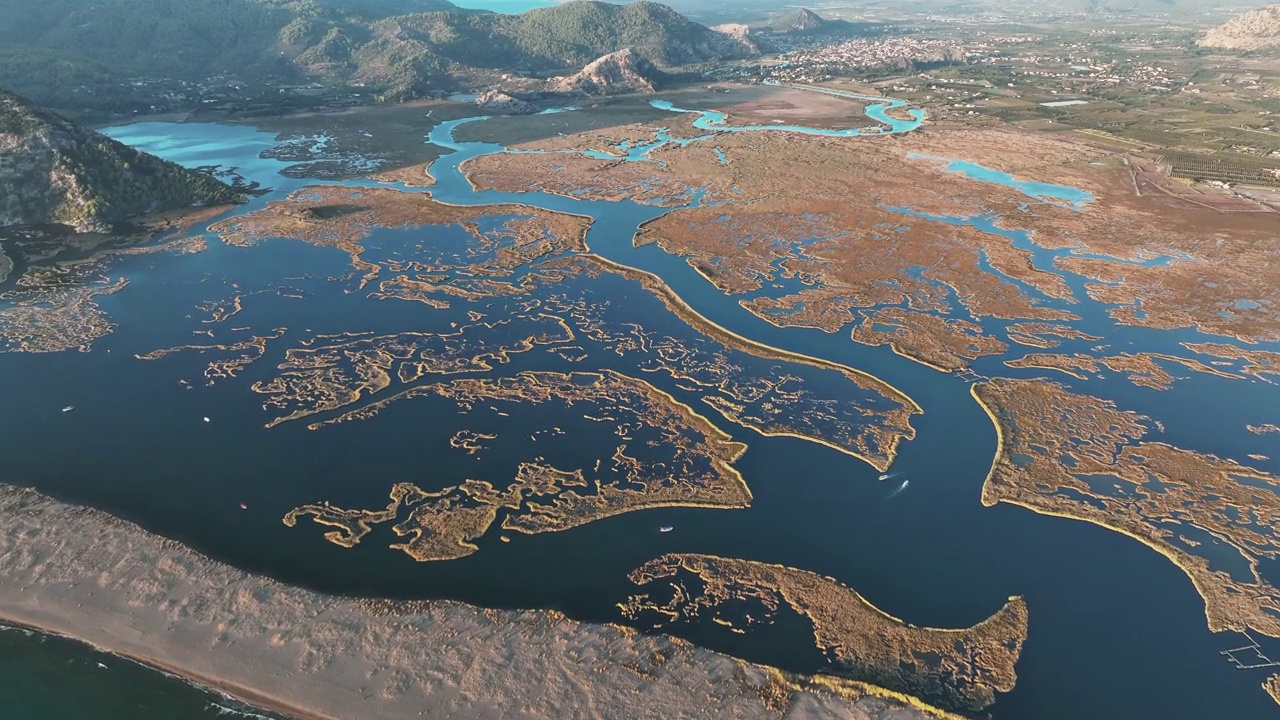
x=736 y=40
x=503 y=102
x=55 y=172
x=950 y=54
x=625 y=71
x=1254 y=30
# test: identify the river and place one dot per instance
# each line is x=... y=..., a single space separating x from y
x=1115 y=630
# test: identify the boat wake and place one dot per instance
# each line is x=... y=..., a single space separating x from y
x=898 y=491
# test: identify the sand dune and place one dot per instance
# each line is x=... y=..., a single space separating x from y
x=88 y=575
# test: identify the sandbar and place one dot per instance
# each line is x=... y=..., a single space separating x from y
x=85 y=574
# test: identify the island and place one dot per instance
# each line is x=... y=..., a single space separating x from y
x=1082 y=457
x=961 y=668
x=664 y=455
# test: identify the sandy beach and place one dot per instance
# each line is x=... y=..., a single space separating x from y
x=87 y=575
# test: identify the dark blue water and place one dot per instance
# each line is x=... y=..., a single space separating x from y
x=1116 y=631
x=52 y=677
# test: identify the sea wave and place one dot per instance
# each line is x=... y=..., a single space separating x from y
x=25 y=631
x=236 y=710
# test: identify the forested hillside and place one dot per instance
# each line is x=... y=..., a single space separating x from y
x=53 y=171
x=73 y=53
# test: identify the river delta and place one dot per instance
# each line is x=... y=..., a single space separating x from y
x=850 y=383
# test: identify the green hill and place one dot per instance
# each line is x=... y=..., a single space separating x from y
x=800 y=20
x=57 y=172
x=79 y=53
x=576 y=33
x=409 y=53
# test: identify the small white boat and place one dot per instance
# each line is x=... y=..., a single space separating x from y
x=666 y=528
x=884 y=476
x=69 y=408
x=207 y=420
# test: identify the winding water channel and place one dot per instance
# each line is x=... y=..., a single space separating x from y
x=1116 y=632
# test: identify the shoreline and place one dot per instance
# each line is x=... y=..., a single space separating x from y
x=996 y=490
x=213 y=686
x=102 y=581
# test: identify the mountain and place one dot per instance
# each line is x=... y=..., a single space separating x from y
x=1254 y=30
x=624 y=71
x=797 y=21
x=576 y=32
x=53 y=171
x=185 y=37
x=411 y=52
x=802 y=21
x=86 y=53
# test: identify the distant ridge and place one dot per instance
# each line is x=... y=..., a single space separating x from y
x=73 y=53
x=801 y=20
x=55 y=172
